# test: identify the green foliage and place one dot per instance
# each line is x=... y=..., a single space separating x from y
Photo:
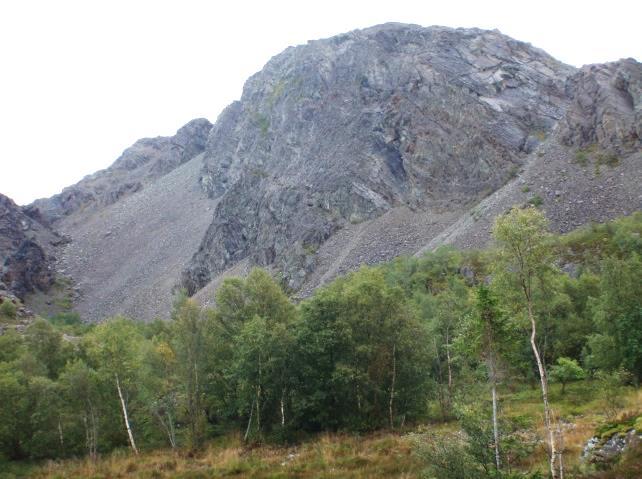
x=46 y=345
x=8 y=309
x=618 y=316
x=536 y=201
x=470 y=452
x=565 y=371
x=610 y=384
x=598 y=156
x=189 y=351
x=581 y=157
x=359 y=346
x=384 y=347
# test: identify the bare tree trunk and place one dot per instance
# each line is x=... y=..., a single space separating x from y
x=448 y=361
x=561 y=449
x=249 y=422
x=172 y=430
x=94 y=433
x=544 y=385
x=167 y=427
x=283 y=407
x=90 y=433
x=258 y=407
x=87 y=439
x=126 y=417
x=392 y=386
x=60 y=437
x=492 y=370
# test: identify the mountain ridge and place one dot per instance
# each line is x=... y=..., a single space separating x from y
x=355 y=149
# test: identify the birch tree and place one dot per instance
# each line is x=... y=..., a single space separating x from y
x=490 y=330
x=113 y=346
x=524 y=260
x=80 y=384
x=189 y=346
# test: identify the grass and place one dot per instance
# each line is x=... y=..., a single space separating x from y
x=536 y=201
x=327 y=456
x=382 y=454
x=599 y=157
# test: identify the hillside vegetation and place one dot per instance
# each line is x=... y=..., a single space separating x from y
x=438 y=365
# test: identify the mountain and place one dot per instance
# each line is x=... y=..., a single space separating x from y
x=354 y=149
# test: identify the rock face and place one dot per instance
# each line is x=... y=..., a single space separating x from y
x=25 y=265
x=140 y=164
x=354 y=149
x=606 y=107
x=341 y=130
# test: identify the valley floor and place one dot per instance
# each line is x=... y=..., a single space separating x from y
x=384 y=454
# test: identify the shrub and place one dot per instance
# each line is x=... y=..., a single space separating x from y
x=536 y=201
x=581 y=157
x=8 y=309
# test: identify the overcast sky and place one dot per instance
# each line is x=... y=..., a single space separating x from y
x=82 y=80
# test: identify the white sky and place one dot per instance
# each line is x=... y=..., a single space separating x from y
x=82 y=80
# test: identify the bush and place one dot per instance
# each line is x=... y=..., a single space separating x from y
x=536 y=201
x=8 y=309
x=581 y=157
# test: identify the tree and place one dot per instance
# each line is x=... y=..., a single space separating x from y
x=524 y=259
x=617 y=314
x=259 y=319
x=13 y=413
x=80 y=388
x=361 y=356
x=189 y=347
x=163 y=387
x=491 y=327
x=113 y=347
x=565 y=371
x=45 y=343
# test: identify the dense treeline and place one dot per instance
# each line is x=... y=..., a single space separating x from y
x=382 y=347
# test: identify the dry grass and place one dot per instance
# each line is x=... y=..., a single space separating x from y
x=328 y=456
x=341 y=455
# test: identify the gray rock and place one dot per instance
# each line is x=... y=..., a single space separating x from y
x=341 y=130
x=26 y=260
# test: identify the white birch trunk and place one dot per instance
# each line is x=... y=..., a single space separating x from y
x=126 y=417
x=392 y=386
x=544 y=385
x=495 y=425
x=249 y=422
x=282 y=408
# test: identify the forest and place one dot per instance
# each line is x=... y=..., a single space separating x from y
x=418 y=340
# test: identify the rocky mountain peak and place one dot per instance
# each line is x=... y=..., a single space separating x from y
x=340 y=130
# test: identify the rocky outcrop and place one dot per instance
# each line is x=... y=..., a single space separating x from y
x=145 y=161
x=606 y=107
x=341 y=130
x=25 y=265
